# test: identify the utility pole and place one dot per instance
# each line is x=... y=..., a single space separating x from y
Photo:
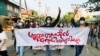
x=25 y=4
x=46 y=10
x=39 y=10
x=20 y=8
x=26 y=9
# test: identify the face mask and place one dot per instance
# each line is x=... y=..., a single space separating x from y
x=82 y=22
x=69 y=25
x=31 y=23
x=61 y=25
x=37 y=26
x=48 y=21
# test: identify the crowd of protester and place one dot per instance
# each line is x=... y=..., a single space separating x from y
x=27 y=24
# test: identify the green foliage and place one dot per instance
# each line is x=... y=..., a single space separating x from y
x=93 y=1
x=36 y=17
x=39 y=18
x=97 y=18
x=34 y=12
x=91 y=8
x=67 y=17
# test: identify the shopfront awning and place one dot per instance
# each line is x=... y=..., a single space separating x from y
x=3 y=10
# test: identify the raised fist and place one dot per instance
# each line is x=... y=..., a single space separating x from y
x=59 y=9
x=76 y=10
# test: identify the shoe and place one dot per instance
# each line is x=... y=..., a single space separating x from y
x=17 y=53
x=72 y=46
x=59 y=54
x=34 y=53
x=97 y=47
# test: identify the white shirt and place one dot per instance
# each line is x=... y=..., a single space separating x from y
x=2 y=37
x=12 y=27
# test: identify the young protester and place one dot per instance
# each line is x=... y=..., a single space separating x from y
x=60 y=47
x=78 y=48
x=49 y=23
x=3 y=38
x=19 y=49
x=94 y=34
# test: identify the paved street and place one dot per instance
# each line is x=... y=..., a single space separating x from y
x=43 y=22
x=67 y=51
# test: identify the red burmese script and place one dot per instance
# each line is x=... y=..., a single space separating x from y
x=57 y=37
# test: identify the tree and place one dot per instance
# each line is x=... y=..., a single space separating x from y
x=97 y=17
x=92 y=5
x=38 y=18
x=67 y=17
x=33 y=16
x=34 y=12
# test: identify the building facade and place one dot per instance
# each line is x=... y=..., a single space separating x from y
x=8 y=10
x=9 y=7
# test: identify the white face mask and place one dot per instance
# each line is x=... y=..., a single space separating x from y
x=48 y=21
x=82 y=22
x=61 y=25
x=37 y=26
x=31 y=23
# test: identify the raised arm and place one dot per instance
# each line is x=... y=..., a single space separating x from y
x=73 y=18
x=58 y=17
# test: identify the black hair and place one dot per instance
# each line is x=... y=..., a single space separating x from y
x=1 y=29
x=96 y=23
x=82 y=18
x=86 y=24
x=48 y=17
x=19 y=18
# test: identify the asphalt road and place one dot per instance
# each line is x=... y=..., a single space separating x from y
x=67 y=51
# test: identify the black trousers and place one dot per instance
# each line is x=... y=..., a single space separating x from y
x=78 y=49
x=3 y=53
x=13 y=34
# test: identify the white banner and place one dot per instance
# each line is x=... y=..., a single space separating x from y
x=51 y=36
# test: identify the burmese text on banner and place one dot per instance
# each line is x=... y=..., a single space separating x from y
x=51 y=36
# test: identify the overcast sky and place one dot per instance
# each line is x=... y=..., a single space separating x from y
x=52 y=5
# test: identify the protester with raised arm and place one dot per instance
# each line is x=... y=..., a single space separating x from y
x=49 y=23
x=78 y=48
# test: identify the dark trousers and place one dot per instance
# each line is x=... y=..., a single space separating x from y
x=78 y=49
x=94 y=39
x=48 y=51
x=15 y=43
x=3 y=53
x=13 y=34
